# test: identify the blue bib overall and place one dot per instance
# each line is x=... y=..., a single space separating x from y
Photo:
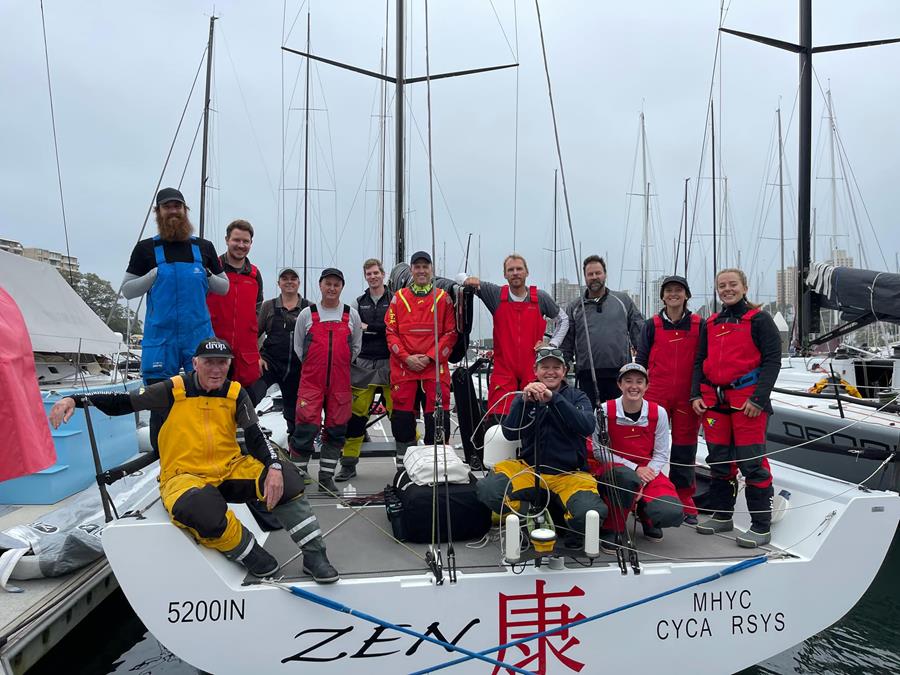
x=177 y=318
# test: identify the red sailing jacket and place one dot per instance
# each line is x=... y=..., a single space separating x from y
x=671 y=361
x=730 y=350
x=233 y=319
x=630 y=441
x=410 y=330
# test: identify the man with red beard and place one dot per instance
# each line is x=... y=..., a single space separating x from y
x=176 y=270
x=234 y=316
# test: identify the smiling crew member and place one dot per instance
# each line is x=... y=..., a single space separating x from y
x=668 y=348
x=278 y=361
x=370 y=372
x=327 y=337
x=552 y=420
x=234 y=316
x=202 y=468
x=175 y=270
x=520 y=315
x=734 y=372
x=639 y=439
x=416 y=353
x=613 y=328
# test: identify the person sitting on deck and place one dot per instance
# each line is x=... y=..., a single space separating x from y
x=552 y=420
x=640 y=445
x=202 y=468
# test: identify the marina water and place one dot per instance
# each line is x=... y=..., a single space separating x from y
x=867 y=640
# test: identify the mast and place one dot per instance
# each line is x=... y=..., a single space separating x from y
x=834 y=223
x=781 y=300
x=400 y=225
x=306 y=164
x=382 y=123
x=685 y=230
x=646 y=224
x=555 y=277
x=204 y=175
x=712 y=119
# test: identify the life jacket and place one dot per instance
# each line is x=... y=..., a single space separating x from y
x=199 y=434
x=177 y=318
x=278 y=346
x=326 y=351
x=671 y=360
x=233 y=319
x=731 y=354
x=630 y=441
x=371 y=313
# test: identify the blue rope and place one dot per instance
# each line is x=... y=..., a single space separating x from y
x=339 y=607
x=737 y=567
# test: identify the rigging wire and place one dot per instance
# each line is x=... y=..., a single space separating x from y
x=62 y=201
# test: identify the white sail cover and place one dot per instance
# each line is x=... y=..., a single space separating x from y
x=58 y=320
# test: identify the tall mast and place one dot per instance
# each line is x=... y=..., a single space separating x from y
x=400 y=226
x=685 y=230
x=382 y=123
x=646 y=222
x=204 y=175
x=804 y=162
x=555 y=277
x=834 y=223
x=306 y=164
x=712 y=119
x=781 y=300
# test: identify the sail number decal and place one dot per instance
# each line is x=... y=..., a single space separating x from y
x=200 y=611
x=737 y=604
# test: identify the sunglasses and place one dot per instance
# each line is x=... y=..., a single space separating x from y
x=545 y=352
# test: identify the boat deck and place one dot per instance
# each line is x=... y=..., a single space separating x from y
x=360 y=542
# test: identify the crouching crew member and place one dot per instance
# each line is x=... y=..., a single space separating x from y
x=668 y=349
x=370 y=372
x=552 y=420
x=734 y=372
x=327 y=337
x=639 y=440
x=419 y=360
x=202 y=468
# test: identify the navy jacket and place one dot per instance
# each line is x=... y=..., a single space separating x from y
x=558 y=429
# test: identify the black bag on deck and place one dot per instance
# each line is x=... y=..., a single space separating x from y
x=469 y=413
x=409 y=509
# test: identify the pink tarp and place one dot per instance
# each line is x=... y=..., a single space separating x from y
x=25 y=442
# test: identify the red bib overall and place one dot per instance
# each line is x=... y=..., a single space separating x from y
x=671 y=364
x=517 y=327
x=635 y=444
x=233 y=319
x=325 y=378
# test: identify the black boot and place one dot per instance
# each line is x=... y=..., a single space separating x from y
x=315 y=564
x=345 y=473
x=759 y=503
x=719 y=500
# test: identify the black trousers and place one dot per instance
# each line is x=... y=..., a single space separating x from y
x=288 y=382
x=607 y=386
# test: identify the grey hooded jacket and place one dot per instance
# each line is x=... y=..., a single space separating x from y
x=612 y=322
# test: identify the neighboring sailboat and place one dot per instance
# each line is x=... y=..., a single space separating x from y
x=829 y=432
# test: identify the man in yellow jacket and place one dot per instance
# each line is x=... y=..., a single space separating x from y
x=202 y=468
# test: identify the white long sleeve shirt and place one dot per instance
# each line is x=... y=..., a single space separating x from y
x=662 y=444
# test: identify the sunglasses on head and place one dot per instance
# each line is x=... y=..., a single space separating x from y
x=544 y=352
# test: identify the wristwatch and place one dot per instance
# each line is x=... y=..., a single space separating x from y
x=275 y=465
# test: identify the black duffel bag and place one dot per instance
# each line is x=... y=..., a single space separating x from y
x=409 y=510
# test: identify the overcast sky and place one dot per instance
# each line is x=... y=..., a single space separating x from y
x=121 y=72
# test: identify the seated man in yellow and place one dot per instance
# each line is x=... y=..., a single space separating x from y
x=202 y=468
x=553 y=421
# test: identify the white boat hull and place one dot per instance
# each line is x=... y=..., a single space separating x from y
x=193 y=601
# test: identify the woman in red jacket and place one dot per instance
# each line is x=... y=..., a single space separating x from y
x=734 y=372
x=668 y=348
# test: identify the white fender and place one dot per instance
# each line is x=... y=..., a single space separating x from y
x=497 y=448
